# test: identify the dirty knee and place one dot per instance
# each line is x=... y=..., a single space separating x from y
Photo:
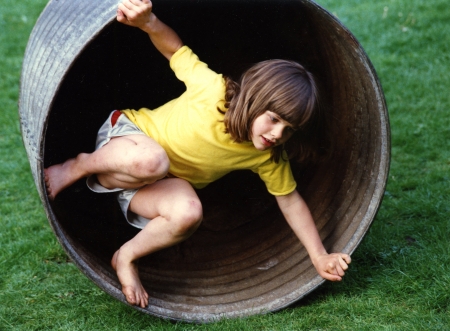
x=153 y=165
x=160 y=163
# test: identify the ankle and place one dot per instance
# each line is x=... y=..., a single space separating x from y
x=77 y=165
x=125 y=254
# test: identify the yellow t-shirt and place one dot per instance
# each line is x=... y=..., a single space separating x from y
x=191 y=131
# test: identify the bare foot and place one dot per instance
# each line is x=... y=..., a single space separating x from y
x=129 y=279
x=58 y=177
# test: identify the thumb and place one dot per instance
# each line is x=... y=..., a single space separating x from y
x=121 y=16
x=330 y=276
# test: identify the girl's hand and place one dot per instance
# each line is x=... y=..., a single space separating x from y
x=332 y=266
x=139 y=14
x=135 y=13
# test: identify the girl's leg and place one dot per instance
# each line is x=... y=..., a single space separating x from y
x=124 y=162
x=175 y=212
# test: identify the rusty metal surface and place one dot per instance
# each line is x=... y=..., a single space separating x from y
x=244 y=259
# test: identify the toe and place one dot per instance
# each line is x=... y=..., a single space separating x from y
x=131 y=299
x=144 y=300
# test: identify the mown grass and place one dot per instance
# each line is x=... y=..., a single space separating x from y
x=400 y=275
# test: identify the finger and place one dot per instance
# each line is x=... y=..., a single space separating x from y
x=122 y=11
x=126 y=5
x=346 y=258
x=340 y=271
x=138 y=3
x=135 y=9
x=335 y=267
x=128 y=12
x=120 y=16
x=343 y=264
x=134 y=3
x=329 y=267
x=336 y=279
x=331 y=277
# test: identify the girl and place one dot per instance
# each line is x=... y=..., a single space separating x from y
x=154 y=159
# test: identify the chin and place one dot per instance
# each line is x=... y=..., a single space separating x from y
x=263 y=148
x=260 y=146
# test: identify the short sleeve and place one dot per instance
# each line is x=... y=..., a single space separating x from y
x=278 y=177
x=190 y=70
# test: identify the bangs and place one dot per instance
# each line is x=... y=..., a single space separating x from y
x=293 y=100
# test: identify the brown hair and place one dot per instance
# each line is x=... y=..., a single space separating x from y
x=283 y=87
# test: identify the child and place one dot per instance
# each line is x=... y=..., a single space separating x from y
x=154 y=159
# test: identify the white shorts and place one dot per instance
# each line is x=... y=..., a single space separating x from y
x=118 y=125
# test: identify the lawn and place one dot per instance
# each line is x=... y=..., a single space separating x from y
x=400 y=275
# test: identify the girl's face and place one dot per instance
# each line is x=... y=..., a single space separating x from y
x=270 y=130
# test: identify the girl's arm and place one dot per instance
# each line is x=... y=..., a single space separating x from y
x=138 y=13
x=298 y=216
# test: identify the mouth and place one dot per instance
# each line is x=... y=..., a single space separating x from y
x=267 y=142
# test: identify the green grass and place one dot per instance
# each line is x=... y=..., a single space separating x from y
x=400 y=275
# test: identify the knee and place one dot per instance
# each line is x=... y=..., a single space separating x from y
x=159 y=164
x=187 y=217
x=152 y=165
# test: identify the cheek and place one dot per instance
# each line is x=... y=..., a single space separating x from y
x=257 y=126
x=253 y=130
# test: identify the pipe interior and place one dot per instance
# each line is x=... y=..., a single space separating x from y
x=244 y=249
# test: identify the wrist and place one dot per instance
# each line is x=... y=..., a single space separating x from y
x=317 y=255
x=150 y=26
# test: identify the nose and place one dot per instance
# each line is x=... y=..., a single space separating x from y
x=277 y=131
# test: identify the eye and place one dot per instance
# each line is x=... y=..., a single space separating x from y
x=273 y=118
